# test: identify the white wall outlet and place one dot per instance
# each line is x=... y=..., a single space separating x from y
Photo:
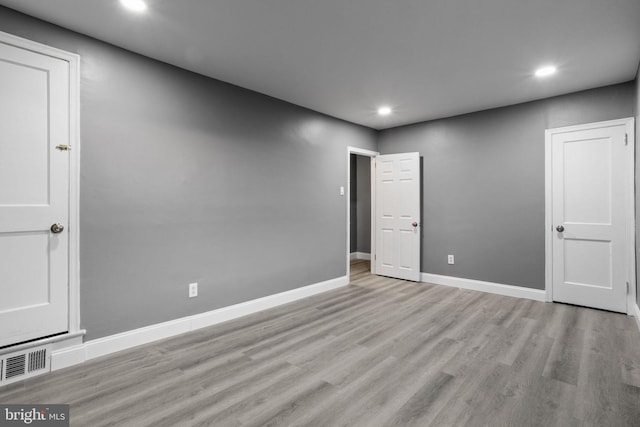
x=193 y=290
x=341 y=190
x=450 y=259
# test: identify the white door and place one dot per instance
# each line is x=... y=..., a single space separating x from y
x=398 y=216
x=589 y=184
x=34 y=195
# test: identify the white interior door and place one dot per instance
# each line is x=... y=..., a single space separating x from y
x=34 y=195
x=589 y=185
x=397 y=213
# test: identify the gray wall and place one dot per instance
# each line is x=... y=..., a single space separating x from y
x=483 y=182
x=363 y=188
x=188 y=179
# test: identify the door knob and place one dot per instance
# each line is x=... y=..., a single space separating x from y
x=57 y=228
x=559 y=229
x=415 y=224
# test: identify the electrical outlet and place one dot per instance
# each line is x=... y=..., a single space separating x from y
x=341 y=190
x=450 y=259
x=193 y=290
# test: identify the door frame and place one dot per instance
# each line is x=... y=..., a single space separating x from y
x=74 y=169
x=372 y=155
x=629 y=204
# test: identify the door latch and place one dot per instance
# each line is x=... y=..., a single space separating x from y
x=63 y=147
x=57 y=228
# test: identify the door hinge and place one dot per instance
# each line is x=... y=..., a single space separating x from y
x=627 y=288
x=63 y=147
x=626 y=139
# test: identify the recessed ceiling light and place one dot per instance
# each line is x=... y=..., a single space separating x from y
x=384 y=111
x=135 y=5
x=546 y=71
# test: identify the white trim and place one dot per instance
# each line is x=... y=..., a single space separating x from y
x=629 y=195
x=367 y=153
x=631 y=215
x=362 y=151
x=636 y=314
x=64 y=350
x=489 y=287
x=74 y=167
x=125 y=340
x=68 y=357
x=372 y=243
x=548 y=218
x=57 y=342
x=359 y=255
x=74 y=196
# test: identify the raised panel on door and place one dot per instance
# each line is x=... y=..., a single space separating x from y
x=588 y=263
x=587 y=180
x=34 y=119
x=24 y=133
x=387 y=249
x=405 y=249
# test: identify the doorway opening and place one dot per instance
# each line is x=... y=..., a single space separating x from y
x=360 y=196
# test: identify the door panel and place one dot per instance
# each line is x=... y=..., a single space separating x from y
x=397 y=209
x=34 y=119
x=587 y=181
x=19 y=264
x=24 y=119
x=589 y=256
x=588 y=263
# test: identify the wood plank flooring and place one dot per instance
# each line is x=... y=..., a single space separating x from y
x=381 y=352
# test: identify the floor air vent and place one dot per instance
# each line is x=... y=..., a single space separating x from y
x=38 y=360
x=24 y=364
x=16 y=366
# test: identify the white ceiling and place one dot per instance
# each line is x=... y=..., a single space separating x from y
x=425 y=58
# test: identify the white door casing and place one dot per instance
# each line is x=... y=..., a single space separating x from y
x=590 y=218
x=397 y=216
x=372 y=155
x=38 y=110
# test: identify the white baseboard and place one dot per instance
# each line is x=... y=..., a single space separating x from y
x=359 y=255
x=122 y=341
x=64 y=358
x=636 y=314
x=490 y=287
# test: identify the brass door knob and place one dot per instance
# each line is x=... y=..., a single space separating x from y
x=415 y=224
x=57 y=228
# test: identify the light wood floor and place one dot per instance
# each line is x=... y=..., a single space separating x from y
x=381 y=352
